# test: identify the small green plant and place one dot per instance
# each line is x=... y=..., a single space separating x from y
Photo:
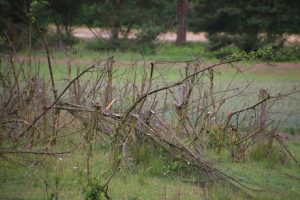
x=148 y=159
x=177 y=166
x=269 y=153
x=52 y=184
x=2 y=43
x=219 y=139
x=59 y=39
x=97 y=45
x=122 y=45
x=95 y=191
x=292 y=130
x=269 y=52
x=142 y=154
x=226 y=51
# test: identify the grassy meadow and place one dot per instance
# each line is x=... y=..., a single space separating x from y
x=156 y=176
x=270 y=75
x=154 y=179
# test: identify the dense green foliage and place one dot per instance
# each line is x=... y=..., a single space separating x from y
x=119 y=18
x=117 y=158
x=65 y=12
x=13 y=20
x=247 y=24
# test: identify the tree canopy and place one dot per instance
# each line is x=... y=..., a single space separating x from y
x=246 y=23
x=120 y=16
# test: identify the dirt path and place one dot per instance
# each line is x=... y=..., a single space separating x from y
x=85 y=33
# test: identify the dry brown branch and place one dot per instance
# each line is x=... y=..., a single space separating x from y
x=265 y=99
x=285 y=147
x=56 y=100
x=141 y=109
x=142 y=97
x=49 y=153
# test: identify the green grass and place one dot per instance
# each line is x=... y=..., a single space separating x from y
x=29 y=183
x=152 y=178
x=165 y=51
x=281 y=181
x=170 y=72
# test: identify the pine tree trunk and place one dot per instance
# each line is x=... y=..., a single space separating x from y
x=182 y=8
x=116 y=23
x=115 y=31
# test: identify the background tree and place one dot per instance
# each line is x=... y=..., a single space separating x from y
x=119 y=17
x=182 y=9
x=4 y=13
x=13 y=20
x=249 y=24
x=65 y=13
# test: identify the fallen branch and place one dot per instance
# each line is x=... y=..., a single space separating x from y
x=12 y=151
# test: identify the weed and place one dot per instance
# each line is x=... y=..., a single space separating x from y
x=225 y=51
x=95 y=191
x=219 y=139
x=271 y=154
x=60 y=40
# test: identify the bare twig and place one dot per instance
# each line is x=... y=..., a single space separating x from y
x=56 y=100
x=49 y=153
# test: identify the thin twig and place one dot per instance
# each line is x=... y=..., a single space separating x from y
x=56 y=100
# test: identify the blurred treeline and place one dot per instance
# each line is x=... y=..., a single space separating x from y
x=246 y=24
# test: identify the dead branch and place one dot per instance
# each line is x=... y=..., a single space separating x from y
x=56 y=100
x=49 y=153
